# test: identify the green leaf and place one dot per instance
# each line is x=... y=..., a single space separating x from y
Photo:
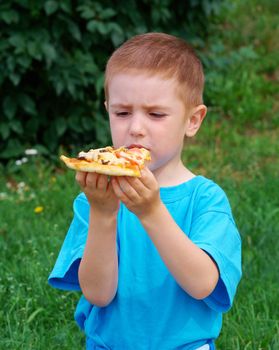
x=17 y=41
x=92 y=26
x=12 y=149
x=51 y=7
x=50 y=138
x=114 y=27
x=59 y=86
x=27 y=104
x=4 y=45
x=50 y=53
x=107 y=13
x=9 y=107
x=61 y=126
x=88 y=123
x=66 y=6
x=98 y=26
x=102 y=28
x=15 y=78
x=99 y=85
x=24 y=61
x=86 y=11
x=74 y=30
x=71 y=88
x=41 y=149
x=117 y=38
x=102 y=133
x=9 y=16
x=34 y=50
x=4 y=130
x=16 y=126
x=75 y=124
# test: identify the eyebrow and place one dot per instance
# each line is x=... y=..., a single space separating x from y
x=120 y=105
x=146 y=107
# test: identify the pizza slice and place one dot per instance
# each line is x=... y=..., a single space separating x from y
x=110 y=161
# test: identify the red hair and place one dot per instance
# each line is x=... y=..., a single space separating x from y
x=164 y=54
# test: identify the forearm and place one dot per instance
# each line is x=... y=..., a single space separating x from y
x=191 y=267
x=98 y=271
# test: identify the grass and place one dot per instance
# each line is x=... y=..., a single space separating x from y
x=237 y=147
x=34 y=316
x=246 y=166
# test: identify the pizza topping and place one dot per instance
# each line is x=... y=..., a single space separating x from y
x=121 y=156
x=109 y=161
x=130 y=157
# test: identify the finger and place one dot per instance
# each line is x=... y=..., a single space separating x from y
x=102 y=182
x=148 y=179
x=91 y=180
x=137 y=185
x=81 y=178
x=118 y=191
x=128 y=188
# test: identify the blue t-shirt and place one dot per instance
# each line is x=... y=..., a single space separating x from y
x=150 y=310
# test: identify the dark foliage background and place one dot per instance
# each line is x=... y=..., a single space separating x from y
x=51 y=64
x=53 y=55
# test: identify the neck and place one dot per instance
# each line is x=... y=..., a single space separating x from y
x=173 y=175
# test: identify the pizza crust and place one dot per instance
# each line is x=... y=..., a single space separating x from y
x=94 y=167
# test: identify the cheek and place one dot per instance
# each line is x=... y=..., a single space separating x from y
x=117 y=133
x=170 y=136
x=168 y=145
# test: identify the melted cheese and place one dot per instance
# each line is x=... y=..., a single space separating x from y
x=103 y=155
x=121 y=156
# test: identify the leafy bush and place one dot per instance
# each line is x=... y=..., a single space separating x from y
x=53 y=55
x=241 y=62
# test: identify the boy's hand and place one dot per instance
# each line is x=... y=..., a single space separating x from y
x=99 y=192
x=141 y=195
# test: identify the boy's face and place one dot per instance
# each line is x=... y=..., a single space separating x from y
x=146 y=111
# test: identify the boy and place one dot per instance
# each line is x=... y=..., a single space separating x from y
x=157 y=258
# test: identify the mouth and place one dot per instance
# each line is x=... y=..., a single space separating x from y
x=136 y=146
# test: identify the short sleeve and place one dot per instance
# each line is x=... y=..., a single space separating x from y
x=215 y=231
x=65 y=272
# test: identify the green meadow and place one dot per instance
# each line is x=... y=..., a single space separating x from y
x=35 y=205
x=237 y=147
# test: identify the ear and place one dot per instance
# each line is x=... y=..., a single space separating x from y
x=195 y=119
x=106 y=105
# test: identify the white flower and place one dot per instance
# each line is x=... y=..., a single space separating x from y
x=31 y=152
x=18 y=162
x=21 y=161
x=3 y=195
x=21 y=184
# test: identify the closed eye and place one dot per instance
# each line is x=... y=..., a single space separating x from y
x=157 y=115
x=121 y=114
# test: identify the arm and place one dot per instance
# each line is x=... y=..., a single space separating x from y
x=98 y=270
x=191 y=267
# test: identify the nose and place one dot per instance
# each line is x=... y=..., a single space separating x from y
x=137 y=125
